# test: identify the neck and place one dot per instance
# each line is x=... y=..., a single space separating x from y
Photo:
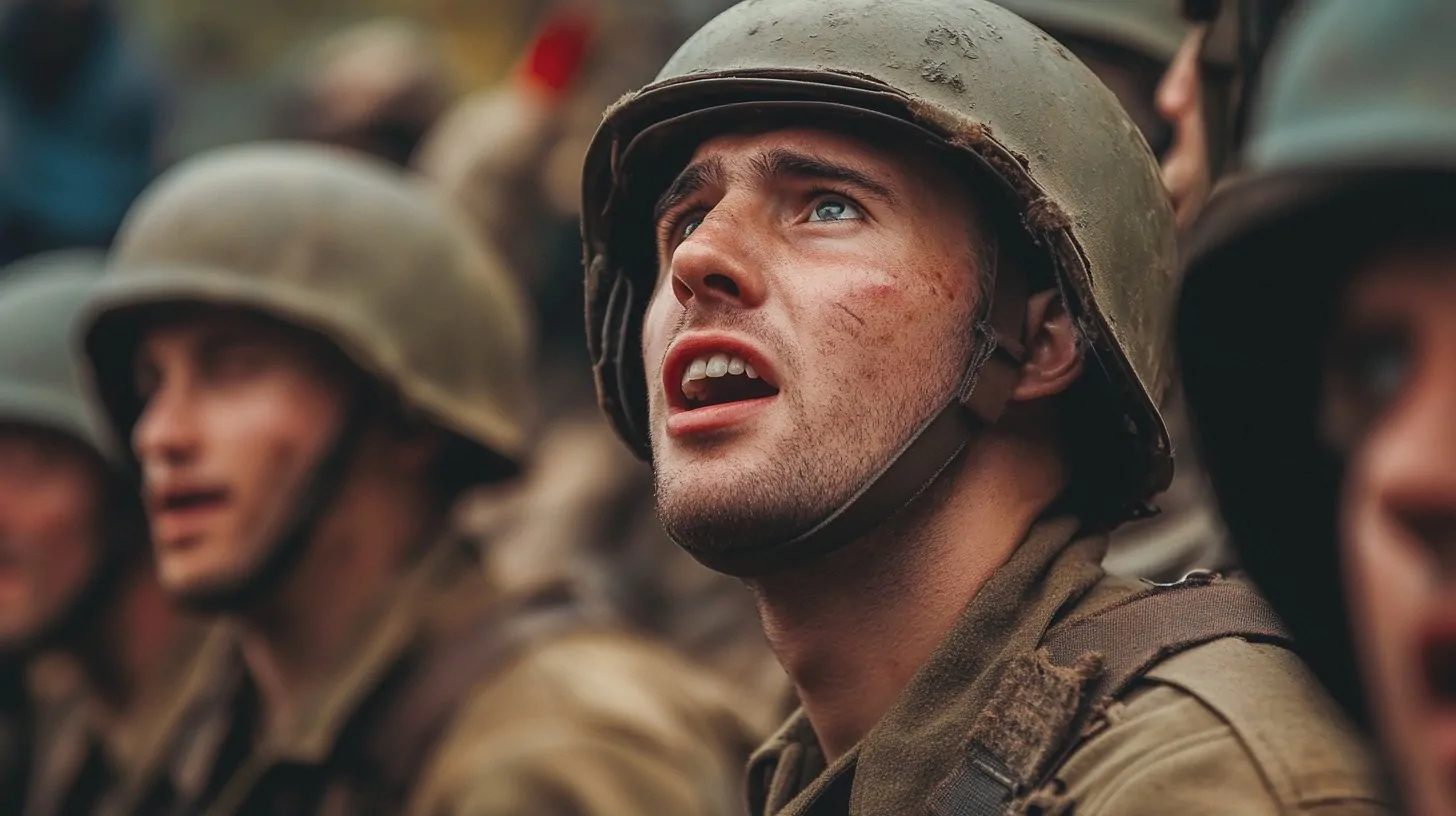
x=121 y=653
x=304 y=631
x=853 y=628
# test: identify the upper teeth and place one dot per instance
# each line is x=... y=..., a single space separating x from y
x=713 y=365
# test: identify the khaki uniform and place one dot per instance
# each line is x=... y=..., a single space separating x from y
x=573 y=721
x=81 y=769
x=1227 y=727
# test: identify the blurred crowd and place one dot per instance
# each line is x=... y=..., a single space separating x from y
x=313 y=490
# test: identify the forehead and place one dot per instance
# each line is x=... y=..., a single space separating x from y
x=886 y=157
x=194 y=326
x=1426 y=271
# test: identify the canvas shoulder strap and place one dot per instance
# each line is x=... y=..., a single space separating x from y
x=1043 y=702
x=418 y=710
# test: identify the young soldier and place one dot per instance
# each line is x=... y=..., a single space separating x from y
x=76 y=580
x=882 y=290
x=312 y=362
x=1318 y=329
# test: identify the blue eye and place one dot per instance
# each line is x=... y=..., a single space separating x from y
x=691 y=225
x=834 y=209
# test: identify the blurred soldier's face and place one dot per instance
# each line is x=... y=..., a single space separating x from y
x=812 y=309
x=1185 y=164
x=1391 y=403
x=237 y=411
x=51 y=492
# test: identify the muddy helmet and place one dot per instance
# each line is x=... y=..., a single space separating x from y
x=965 y=77
x=1352 y=142
x=41 y=299
x=360 y=253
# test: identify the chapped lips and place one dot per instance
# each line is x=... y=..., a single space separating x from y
x=712 y=369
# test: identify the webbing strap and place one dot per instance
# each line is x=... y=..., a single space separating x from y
x=1128 y=639
x=422 y=706
x=1143 y=630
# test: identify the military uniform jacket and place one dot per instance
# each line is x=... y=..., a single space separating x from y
x=1228 y=727
x=570 y=719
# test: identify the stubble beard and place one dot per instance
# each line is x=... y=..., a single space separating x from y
x=827 y=457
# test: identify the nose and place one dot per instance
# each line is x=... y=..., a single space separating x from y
x=1411 y=462
x=715 y=265
x=166 y=433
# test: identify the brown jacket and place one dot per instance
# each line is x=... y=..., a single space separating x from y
x=570 y=720
x=1230 y=727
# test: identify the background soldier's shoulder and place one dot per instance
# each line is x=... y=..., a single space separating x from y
x=593 y=721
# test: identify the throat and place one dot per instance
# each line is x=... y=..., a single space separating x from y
x=852 y=633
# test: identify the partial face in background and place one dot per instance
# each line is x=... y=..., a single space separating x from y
x=1390 y=403
x=812 y=310
x=1186 y=168
x=52 y=492
x=238 y=409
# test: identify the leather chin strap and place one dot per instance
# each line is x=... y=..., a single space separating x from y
x=319 y=490
x=991 y=373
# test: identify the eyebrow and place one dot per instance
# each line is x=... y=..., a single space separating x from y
x=776 y=163
x=696 y=176
x=782 y=162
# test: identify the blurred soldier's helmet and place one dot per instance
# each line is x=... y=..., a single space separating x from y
x=352 y=249
x=966 y=78
x=1353 y=142
x=41 y=384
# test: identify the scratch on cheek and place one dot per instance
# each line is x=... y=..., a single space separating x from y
x=850 y=312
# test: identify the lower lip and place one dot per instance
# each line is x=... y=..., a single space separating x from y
x=714 y=418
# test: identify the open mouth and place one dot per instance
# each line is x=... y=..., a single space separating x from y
x=721 y=378
x=184 y=500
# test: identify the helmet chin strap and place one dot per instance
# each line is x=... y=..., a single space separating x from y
x=987 y=380
x=318 y=495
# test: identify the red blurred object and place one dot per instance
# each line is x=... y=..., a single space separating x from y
x=555 y=57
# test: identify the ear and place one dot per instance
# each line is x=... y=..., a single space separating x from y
x=1053 y=355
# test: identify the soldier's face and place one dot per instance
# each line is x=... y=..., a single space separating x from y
x=51 y=491
x=1391 y=404
x=237 y=410
x=812 y=309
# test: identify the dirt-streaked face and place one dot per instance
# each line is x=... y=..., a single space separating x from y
x=52 y=491
x=812 y=309
x=238 y=409
x=1391 y=404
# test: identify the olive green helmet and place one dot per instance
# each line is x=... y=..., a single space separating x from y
x=1154 y=28
x=339 y=244
x=965 y=76
x=41 y=299
x=1353 y=142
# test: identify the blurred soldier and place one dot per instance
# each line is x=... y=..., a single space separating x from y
x=313 y=360
x=1154 y=60
x=75 y=576
x=376 y=87
x=883 y=292
x=1318 y=332
x=79 y=122
x=511 y=158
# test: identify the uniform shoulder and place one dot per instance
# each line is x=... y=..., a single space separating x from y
x=592 y=722
x=1226 y=727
